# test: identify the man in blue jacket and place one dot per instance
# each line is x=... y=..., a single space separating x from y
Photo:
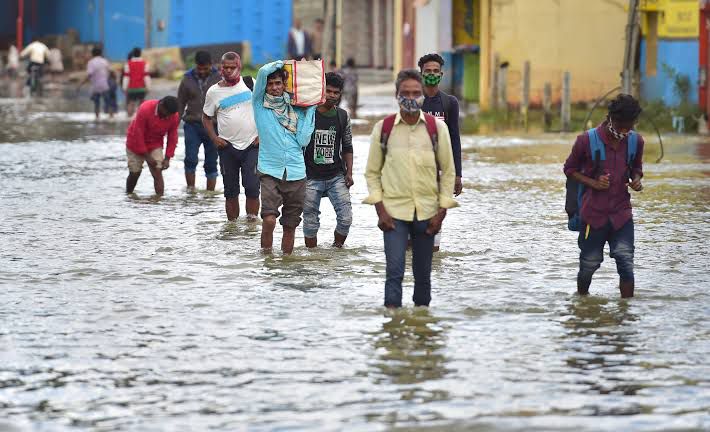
x=284 y=131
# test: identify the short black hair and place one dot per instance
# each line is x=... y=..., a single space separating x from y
x=350 y=62
x=96 y=51
x=203 y=58
x=624 y=108
x=278 y=73
x=334 y=80
x=137 y=52
x=433 y=57
x=170 y=103
x=407 y=74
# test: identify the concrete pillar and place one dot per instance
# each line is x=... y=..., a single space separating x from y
x=484 y=81
x=376 y=33
x=389 y=25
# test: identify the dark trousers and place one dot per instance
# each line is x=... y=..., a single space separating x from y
x=396 y=252
x=621 y=248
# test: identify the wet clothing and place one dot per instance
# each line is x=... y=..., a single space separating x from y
x=396 y=251
x=434 y=106
x=621 y=248
x=233 y=161
x=613 y=204
x=135 y=160
x=406 y=182
x=339 y=195
x=332 y=138
x=146 y=131
x=287 y=195
x=191 y=94
x=195 y=136
x=280 y=150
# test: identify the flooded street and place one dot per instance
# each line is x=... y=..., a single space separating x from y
x=134 y=313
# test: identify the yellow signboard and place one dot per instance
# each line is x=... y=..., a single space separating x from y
x=466 y=22
x=677 y=19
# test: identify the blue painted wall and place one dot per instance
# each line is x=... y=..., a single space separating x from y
x=682 y=55
x=264 y=24
x=188 y=23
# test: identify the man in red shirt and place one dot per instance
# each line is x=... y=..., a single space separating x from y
x=144 y=140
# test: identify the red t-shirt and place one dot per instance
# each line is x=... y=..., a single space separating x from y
x=146 y=131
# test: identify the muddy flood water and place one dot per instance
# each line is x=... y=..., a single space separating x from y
x=135 y=313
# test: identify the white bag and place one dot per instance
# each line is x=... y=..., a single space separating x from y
x=306 y=82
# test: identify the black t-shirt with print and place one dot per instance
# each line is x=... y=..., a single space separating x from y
x=331 y=138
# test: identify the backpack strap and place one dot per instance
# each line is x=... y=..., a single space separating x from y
x=446 y=103
x=631 y=149
x=387 y=126
x=597 y=149
x=432 y=131
x=249 y=81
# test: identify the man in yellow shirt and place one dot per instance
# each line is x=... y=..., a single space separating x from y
x=405 y=186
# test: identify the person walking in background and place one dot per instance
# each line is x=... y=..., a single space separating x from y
x=317 y=39
x=144 y=141
x=97 y=72
x=329 y=166
x=299 y=42
x=191 y=100
x=112 y=101
x=350 y=91
x=13 y=61
x=230 y=102
x=37 y=53
x=284 y=131
x=410 y=175
x=444 y=107
x=136 y=80
x=606 y=163
x=56 y=63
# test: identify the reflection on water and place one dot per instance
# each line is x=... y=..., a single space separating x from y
x=410 y=347
x=602 y=333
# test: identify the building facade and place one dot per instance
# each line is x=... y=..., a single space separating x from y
x=121 y=25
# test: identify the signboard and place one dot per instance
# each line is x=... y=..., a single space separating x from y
x=677 y=19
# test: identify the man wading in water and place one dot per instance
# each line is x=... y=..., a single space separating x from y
x=409 y=194
x=284 y=131
x=144 y=140
x=444 y=107
x=606 y=174
x=329 y=166
x=237 y=144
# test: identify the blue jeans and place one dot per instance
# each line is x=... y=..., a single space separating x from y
x=396 y=252
x=621 y=248
x=339 y=195
x=195 y=134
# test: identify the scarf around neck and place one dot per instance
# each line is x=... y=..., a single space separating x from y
x=284 y=112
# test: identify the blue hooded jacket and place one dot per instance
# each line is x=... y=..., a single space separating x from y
x=279 y=149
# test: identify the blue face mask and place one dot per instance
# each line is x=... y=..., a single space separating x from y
x=409 y=105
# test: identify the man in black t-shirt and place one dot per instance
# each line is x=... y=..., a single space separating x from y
x=444 y=107
x=329 y=165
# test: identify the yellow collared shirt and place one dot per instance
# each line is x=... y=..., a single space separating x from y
x=405 y=181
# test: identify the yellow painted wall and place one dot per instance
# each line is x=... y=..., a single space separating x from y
x=582 y=36
x=677 y=19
